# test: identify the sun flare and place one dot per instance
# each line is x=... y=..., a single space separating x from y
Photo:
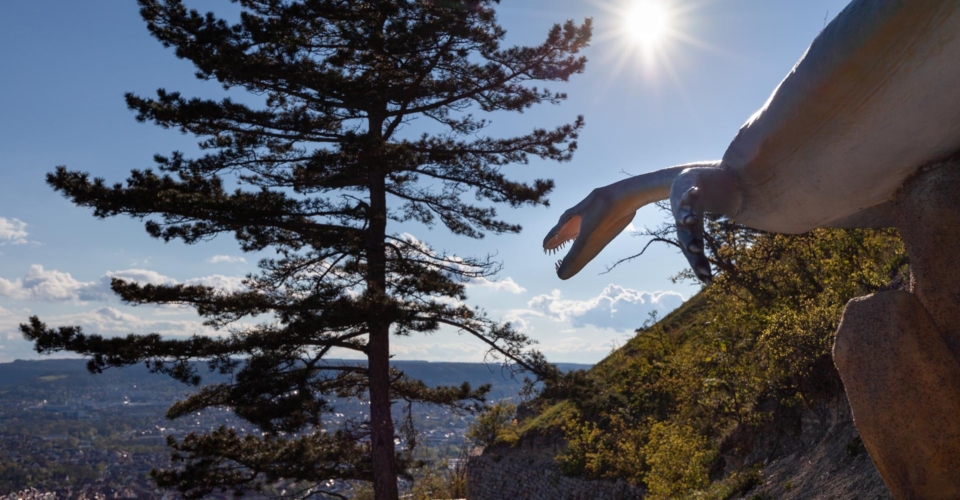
x=646 y=22
x=652 y=39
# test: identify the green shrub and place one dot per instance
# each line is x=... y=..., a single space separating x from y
x=439 y=482
x=679 y=460
x=616 y=452
x=494 y=425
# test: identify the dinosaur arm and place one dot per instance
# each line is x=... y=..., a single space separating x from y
x=695 y=191
x=635 y=192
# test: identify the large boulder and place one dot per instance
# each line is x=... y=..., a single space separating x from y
x=897 y=352
x=903 y=384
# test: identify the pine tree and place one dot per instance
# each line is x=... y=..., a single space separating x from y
x=317 y=170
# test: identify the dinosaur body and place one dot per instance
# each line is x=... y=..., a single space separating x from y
x=876 y=96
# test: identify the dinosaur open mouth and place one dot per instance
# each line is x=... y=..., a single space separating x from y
x=564 y=232
x=557 y=249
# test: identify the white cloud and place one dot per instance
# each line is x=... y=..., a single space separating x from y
x=579 y=345
x=145 y=276
x=228 y=259
x=141 y=276
x=617 y=308
x=519 y=324
x=107 y=321
x=57 y=286
x=453 y=349
x=226 y=283
x=505 y=285
x=13 y=231
x=112 y=321
x=518 y=319
x=41 y=284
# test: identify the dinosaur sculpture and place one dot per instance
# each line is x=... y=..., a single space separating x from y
x=864 y=132
x=875 y=97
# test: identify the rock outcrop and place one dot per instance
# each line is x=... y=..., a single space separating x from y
x=897 y=352
x=528 y=472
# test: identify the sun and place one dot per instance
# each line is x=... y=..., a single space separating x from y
x=646 y=22
x=653 y=38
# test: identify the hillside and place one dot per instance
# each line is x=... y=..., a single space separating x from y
x=732 y=395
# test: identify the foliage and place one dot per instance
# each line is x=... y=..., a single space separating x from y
x=439 y=481
x=547 y=420
x=736 y=485
x=494 y=425
x=615 y=451
x=678 y=459
x=756 y=342
x=432 y=480
x=310 y=158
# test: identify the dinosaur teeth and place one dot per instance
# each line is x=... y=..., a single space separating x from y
x=559 y=246
x=557 y=265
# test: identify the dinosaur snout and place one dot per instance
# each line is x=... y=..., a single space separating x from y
x=590 y=226
x=566 y=230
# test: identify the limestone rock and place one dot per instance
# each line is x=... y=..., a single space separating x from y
x=927 y=213
x=903 y=383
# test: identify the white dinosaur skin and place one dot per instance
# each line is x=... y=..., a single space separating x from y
x=876 y=96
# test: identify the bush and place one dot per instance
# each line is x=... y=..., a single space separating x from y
x=613 y=452
x=439 y=481
x=494 y=425
x=679 y=460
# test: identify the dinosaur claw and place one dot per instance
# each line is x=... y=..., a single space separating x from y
x=694 y=192
x=690 y=236
x=703 y=271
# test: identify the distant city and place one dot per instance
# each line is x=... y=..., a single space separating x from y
x=68 y=434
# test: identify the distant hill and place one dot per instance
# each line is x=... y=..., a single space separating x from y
x=73 y=373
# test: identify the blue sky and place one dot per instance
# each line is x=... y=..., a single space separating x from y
x=64 y=67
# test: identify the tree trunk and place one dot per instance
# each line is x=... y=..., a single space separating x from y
x=381 y=420
x=378 y=348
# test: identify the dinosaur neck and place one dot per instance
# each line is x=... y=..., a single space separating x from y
x=643 y=189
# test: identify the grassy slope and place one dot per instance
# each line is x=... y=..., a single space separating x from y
x=745 y=358
x=678 y=324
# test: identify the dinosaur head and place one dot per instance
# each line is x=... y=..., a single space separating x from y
x=591 y=225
